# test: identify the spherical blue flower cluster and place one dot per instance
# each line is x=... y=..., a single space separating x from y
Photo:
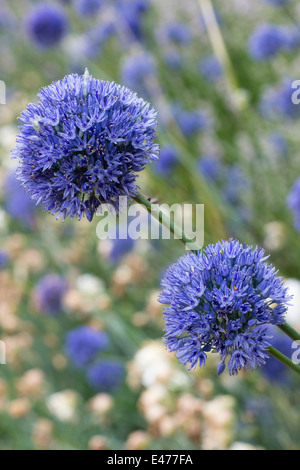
x=17 y=203
x=46 y=25
x=222 y=300
x=83 y=144
x=84 y=343
x=266 y=41
x=49 y=294
x=107 y=375
x=293 y=202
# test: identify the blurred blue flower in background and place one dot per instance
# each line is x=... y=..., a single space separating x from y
x=210 y=167
x=293 y=202
x=168 y=158
x=266 y=41
x=96 y=37
x=292 y=37
x=130 y=15
x=87 y=7
x=46 y=25
x=222 y=300
x=137 y=71
x=190 y=122
x=279 y=144
x=48 y=294
x=178 y=33
x=277 y=2
x=107 y=375
x=4 y=258
x=116 y=247
x=210 y=68
x=235 y=183
x=84 y=343
x=277 y=102
x=274 y=370
x=17 y=203
x=173 y=59
x=7 y=18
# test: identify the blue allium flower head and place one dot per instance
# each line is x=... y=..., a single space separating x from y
x=210 y=68
x=168 y=159
x=293 y=202
x=17 y=203
x=46 y=25
x=222 y=301
x=88 y=7
x=83 y=144
x=84 y=343
x=266 y=41
x=49 y=294
x=107 y=375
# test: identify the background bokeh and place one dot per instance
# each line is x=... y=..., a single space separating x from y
x=79 y=317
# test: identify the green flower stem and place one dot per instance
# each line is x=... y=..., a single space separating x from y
x=289 y=330
x=285 y=360
x=154 y=210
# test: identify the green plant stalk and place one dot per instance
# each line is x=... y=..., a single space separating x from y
x=164 y=220
x=285 y=360
x=290 y=331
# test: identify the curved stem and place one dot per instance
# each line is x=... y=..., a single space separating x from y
x=285 y=360
x=155 y=211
